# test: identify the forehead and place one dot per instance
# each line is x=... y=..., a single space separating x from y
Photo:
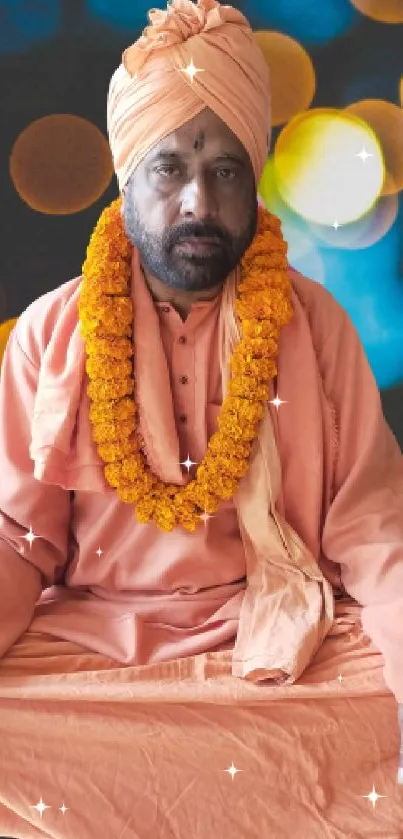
x=205 y=132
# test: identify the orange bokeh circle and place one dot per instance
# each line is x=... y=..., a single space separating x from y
x=384 y=11
x=386 y=120
x=292 y=75
x=61 y=164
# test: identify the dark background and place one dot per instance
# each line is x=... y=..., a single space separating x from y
x=68 y=70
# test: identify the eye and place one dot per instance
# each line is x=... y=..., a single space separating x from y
x=167 y=169
x=161 y=169
x=229 y=172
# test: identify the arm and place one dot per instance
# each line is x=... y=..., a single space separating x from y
x=24 y=503
x=363 y=529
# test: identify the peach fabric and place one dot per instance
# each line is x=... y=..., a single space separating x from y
x=150 y=597
x=150 y=96
x=142 y=751
x=283 y=576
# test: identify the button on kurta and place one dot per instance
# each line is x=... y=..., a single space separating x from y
x=182 y=339
x=184 y=380
x=183 y=418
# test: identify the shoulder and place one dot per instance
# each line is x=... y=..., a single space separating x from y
x=35 y=326
x=324 y=313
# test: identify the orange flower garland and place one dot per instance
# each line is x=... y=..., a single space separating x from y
x=263 y=306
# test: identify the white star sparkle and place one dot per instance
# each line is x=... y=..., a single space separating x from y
x=63 y=809
x=277 y=402
x=191 y=71
x=373 y=796
x=336 y=225
x=340 y=678
x=99 y=552
x=364 y=155
x=30 y=537
x=41 y=807
x=232 y=771
x=205 y=517
x=188 y=463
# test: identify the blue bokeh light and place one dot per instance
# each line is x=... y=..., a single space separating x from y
x=26 y=23
x=313 y=22
x=368 y=284
x=130 y=14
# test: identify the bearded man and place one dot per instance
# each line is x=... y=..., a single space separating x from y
x=192 y=443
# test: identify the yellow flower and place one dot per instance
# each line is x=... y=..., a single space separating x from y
x=110 y=432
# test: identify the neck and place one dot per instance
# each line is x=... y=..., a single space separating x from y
x=181 y=300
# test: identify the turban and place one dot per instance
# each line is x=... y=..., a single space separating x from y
x=150 y=95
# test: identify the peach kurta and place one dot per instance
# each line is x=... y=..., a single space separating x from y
x=140 y=596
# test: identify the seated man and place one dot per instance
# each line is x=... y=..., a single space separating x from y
x=192 y=446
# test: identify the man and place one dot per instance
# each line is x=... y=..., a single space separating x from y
x=295 y=502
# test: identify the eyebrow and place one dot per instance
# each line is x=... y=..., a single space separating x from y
x=174 y=155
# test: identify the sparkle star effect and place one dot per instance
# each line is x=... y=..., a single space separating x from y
x=191 y=71
x=63 y=809
x=364 y=155
x=205 y=517
x=41 y=807
x=99 y=552
x=336 y=225
x=232 y=771
x=277 y=402
x=340 y=678
x=30 y=537
x=373 y=796
x=188 y=463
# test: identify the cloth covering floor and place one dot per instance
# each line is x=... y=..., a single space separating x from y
x=142 y=752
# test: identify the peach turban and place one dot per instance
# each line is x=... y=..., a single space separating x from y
x=150 y=95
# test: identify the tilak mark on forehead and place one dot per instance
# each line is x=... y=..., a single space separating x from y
x=199 y=141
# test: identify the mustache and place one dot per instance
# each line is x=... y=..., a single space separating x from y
x=197 y=232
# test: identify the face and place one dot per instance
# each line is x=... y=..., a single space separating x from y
x=197 y=182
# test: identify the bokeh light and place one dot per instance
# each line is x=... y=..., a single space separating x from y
x=292 y=75
x=368 y=284
x=61 y=164
x=319 y=171
x=384 y=11
x=24 y=24
x=364 y=232
x=313 y=22
x=365 y=278
x=302 y=253
x=386 y=120
x=130 y=14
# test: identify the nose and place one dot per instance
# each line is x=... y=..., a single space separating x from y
x=198 y=200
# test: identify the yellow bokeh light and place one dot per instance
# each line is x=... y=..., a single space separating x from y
x=319 y=171
x=385 y=11
x=386 y=120
x=292 y=75
x=301 y=252
x=61 y=164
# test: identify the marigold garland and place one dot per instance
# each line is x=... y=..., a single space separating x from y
x=263 y=307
